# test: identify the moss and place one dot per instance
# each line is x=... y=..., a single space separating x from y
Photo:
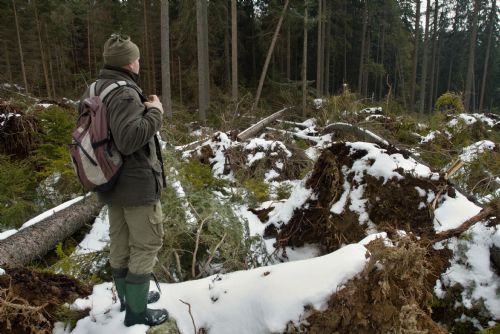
x=283 y=191
x=69 y=316
x=16 y=182
x=450 y=102
x=491 y=330
x=259 y=190
x=199 y=176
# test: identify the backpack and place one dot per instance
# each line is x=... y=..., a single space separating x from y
x=96 y=159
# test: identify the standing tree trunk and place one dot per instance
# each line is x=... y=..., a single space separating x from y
x=288 y=54
x=203 y=67
x=148 y=84
x=304 y=64
x=227 y=82
x=344 y=79
x=88 y=39
x=166 y=90
x=269 y=55
x=234 y=49
x=472 y=50
x=180 y=79
x=432 y=75
x=21 y=57
x=319 y=54
x=7 y=60
x=424 y=65
x=49 y=57
x=42 y=54
x=382 y=59
x=328 y=37
x=413 y=81
x=488 y=50
x=363 y=42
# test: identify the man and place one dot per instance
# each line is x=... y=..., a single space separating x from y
x=135 y=212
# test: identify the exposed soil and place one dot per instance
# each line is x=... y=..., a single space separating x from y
x=391 y=295
x=29 y=300
x=391 y=206
x=16 y=132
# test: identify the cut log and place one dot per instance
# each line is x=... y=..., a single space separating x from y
x=36 y=240
x=254 y=129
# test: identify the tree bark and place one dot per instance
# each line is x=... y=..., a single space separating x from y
x=148 y=84
x=319 y=53
x=413 y=81
x=328 y=37
x=166 y=90
x=304 y=64
x=42 y=53
x=483 y=214
x=472 y=50
x=36 y=240
x=21 y=57
x=288 y=54
x=49 y=59
x=488 y=50
x=7 y=60
x=382 y=60
x=423 y=80
x=269 y=55
x=254 y=129
x=234 y=49
x=88 y=39
x=203 y=66
x=180 y=79
x=363 y=42
x=432 y=75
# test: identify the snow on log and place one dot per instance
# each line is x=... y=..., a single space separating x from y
x=36 y=240
x=254 y=129
x=360 y=132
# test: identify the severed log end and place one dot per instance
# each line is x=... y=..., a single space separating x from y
x=36 y=240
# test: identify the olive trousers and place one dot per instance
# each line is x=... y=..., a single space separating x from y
x=136 y=234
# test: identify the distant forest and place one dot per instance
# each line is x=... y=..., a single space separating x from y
x=411 y=50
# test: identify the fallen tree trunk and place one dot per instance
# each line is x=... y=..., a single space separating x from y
x=254 y=129
x=35 y=241
x=357 y=131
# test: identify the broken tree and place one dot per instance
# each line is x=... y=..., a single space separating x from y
x=36 y=240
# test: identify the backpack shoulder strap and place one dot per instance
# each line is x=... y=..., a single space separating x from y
x=92 y=89
x=111 y=88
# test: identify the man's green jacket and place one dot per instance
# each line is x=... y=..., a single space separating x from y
x=134 y=128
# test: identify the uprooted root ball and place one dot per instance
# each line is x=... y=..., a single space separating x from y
x=29 y=300
x=388 y=205
x=391 y=295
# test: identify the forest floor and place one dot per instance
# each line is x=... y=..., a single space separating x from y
x=338 y=234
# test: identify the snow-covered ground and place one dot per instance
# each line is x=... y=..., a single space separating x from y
x=265 y=299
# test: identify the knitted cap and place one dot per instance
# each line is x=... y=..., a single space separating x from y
x=119 y=50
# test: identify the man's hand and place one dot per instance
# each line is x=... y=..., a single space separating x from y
x=154 y=102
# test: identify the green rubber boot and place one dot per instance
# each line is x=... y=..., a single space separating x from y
x=136 y=294
x=119 y=275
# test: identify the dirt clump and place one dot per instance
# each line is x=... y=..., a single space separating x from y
x=17 y=130
x=29 y=300
x=390 y=205
x=391 y=295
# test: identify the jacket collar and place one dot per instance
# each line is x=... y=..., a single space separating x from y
x=118 y=73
